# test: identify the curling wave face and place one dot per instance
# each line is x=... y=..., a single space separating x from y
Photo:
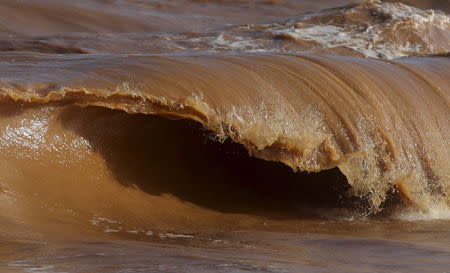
x=375 y=120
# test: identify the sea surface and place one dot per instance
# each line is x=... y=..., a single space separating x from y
x=224 y=136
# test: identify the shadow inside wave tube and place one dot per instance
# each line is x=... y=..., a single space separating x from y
x=161 y=156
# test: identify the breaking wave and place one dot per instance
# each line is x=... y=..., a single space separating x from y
x=310 y=113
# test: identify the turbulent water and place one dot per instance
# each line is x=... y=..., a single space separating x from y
x=224 y=136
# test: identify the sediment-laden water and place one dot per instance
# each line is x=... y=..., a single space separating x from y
x=224 y=136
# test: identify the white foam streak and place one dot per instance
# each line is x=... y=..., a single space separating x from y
x=404 y=31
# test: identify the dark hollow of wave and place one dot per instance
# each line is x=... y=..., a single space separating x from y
x=179 y=157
